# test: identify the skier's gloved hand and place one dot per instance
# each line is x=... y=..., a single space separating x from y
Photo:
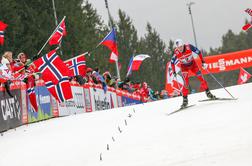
x=175 y=74
x=204 y=65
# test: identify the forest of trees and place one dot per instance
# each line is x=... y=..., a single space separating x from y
x=30 y=23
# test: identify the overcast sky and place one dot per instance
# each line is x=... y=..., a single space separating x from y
x=212 y=18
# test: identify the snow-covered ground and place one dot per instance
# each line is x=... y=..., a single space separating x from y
x=210 y=133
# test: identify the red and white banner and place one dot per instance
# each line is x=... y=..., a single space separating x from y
x=227 y=62
x=137 y=61
x=244 y=76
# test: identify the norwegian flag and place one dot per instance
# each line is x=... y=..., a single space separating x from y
x=77 y=65
x=58 y=34
x=3 y=26
x=61 y=91
x=244 y=76
x=31 y=93
x=52 y=67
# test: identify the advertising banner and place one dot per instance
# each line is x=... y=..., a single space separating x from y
x=126 y=101
x=228 y=62
x=101 y=100
x=88 y=103
x=75 y=105
x=10 y=109
x=24 y=104
x=44 y=105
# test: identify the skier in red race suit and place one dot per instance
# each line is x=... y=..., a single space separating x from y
x=183 y=54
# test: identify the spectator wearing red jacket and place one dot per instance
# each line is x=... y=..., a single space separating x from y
x=144 y=92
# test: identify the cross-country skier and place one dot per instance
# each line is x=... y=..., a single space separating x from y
x=183 y=54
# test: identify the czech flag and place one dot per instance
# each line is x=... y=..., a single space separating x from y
x=110 y=42
x=137 y=61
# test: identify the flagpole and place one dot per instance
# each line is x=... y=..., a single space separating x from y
x=86 y=53
x=56 y=22
x=51 y=35
x=112 y=25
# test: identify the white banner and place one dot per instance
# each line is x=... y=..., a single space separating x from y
x=101 y=100
x=75 y=105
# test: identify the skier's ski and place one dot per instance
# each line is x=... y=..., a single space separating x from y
x=181 y=108
x=218 y=98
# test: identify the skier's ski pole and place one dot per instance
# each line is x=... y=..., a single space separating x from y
x=219 y=83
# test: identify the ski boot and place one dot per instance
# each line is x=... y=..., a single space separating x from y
x=185 y=102
x=210 y=95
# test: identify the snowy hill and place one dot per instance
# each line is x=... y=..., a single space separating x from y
x=210 y=133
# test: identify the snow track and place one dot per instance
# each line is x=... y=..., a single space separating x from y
x=210 y=133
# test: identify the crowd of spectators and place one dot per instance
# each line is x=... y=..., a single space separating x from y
x=93 y=76
x=11 y=69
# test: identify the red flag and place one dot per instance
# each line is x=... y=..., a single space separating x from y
x=58 y=34
x=61 y=91
x=31 y=93
x=110 y=42
x=244 y=76
x=77 y=65
x=247 y=26
x=52 y=67
x=3 y=26
x=174 y=84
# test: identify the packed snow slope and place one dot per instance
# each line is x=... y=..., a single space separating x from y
x=211 y=133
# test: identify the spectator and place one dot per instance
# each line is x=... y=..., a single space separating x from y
x=137 y=88
x=95 y=76
x=125 y=85
x=73 y=81
x=152 y=96
x=88 y=78
x=8 y=60
x=108 y=80
x=6 y=70
x=157 y=95
x=80 y=79
x=98 y=79
x=22 y=57
x=164 y=94
x=144 y=92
